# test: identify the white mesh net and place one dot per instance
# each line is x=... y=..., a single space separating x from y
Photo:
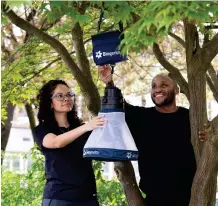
x=114 y=135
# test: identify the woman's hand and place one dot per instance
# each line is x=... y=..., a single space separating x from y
x=105 y=73
x=96 y=122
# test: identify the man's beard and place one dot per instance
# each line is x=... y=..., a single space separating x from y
x=167 y=101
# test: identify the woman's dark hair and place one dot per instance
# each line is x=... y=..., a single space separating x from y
x=45 y=112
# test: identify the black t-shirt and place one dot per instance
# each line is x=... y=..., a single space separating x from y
x=68 y=175
x=166 y=157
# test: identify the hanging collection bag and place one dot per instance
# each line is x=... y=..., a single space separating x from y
x=105 y=45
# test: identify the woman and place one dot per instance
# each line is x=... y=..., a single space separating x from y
x=61 y=136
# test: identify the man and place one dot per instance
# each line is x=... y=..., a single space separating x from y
x=163 y=138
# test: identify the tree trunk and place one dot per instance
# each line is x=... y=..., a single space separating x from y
x=198 y=115
x=212 y=188
x=204 y=185
x=214 y=141
x=205 y=181
x=126 y=176
x=91 y=94
x=6 y=127
x=31 y=116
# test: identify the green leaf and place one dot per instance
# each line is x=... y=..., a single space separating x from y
x=4 y=19
x=18 y=3
x=82 y=19
x=56 y=4
x=52 y=16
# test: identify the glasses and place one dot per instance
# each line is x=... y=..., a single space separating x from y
x=61 y=97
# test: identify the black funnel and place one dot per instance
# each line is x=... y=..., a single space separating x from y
x=112 y=99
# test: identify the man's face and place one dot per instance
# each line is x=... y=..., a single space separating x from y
x=163 y=91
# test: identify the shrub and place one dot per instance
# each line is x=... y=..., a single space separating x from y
x=26 y=189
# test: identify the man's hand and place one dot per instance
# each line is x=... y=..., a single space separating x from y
x=203 y=134
x=105 y=73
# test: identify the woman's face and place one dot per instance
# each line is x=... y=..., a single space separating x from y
x=62 y=99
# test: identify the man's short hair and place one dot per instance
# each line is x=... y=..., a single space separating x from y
x=170 y=76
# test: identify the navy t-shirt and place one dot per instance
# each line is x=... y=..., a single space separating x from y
x=68 y=175
x=166 y=157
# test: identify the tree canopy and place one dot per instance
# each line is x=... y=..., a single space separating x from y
x=63 y=29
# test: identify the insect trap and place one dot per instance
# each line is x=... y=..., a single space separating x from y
x=114 y=141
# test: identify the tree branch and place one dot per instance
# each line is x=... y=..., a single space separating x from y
x=180 y=40
x=213 y=79
x=27 y=36
x=125 y=174
x=54 y=43
x=31 y=116
x=140 y=66
x=215 y=123
x=87 y=85
x=29 y=18
x=135 y=17
x=192 y=49
x=38 y=72
x=210 y=49
x=212 y=87
x=83 y=6
x=48 y=65
x=213 y=76
x=5 y=128
x=45 y=25
x=173 y=70
x=77 y=38
x=211 y=27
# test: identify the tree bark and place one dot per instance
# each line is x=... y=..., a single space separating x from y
x=126 y=176
x=214 y=77
x=177 y=38
x=212 y=188
x=209 y=51
x=197 y=109
x=205 y=181
x=31 y=116
x=212 y=86
x=6 y=127
x=77 y=38
x=205 y=153
x=83 y=62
